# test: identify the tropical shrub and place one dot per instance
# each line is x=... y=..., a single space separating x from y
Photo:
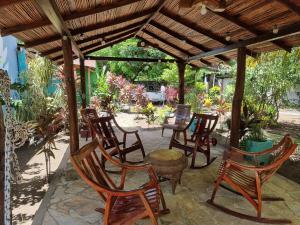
x=149 y=112
x=171 y=95
x=164 y=111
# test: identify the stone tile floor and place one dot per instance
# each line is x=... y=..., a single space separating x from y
x=73 y=202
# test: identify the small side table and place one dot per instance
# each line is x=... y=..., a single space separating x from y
x=168 y=164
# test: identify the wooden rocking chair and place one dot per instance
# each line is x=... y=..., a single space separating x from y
x=102 y=128
x=85 y=129
x=247 y=180
x=200 y=138
x=121 y=206
x=182 y=116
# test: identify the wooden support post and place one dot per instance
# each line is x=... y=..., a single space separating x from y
x=238 y=98
x=71 y=94
x=2 y=164
x=181 y=70
x=82 y=83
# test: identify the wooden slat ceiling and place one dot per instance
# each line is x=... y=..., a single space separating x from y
x=180 y=32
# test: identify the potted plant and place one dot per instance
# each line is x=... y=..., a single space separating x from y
x=256 y=141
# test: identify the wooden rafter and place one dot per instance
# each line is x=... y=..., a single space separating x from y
x=121 y=34
x=99 y=43
x=282 y=33
x=93 y=27
x=164 y=50
x=72 y=16
x=201 y=30
x=89 y=51
x=5 y=3
x=159 y=7
x=96 y=48
x=291 y=6
x=98 y=36
x=51 y=10
x=113 y=32
x=250 y=28
x=126 y=59
x=186 y=39
x=177 y=48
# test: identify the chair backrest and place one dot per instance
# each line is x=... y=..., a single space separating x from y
x=102 y=128
x=88 y=165
x=88 y=113
x=205 y=124
x=183 y=113
x=281 y=152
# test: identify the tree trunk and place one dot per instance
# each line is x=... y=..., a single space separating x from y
x=2 y=149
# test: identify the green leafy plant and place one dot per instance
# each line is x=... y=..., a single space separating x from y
x=256 y=133
x=163 y=112
x=149 y=112
x=48 y=151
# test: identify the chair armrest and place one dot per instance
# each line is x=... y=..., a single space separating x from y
x=230 y=162
x=267 y=151
x=129 y=132
x=121 y=129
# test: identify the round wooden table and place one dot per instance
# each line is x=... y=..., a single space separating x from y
x=168 y=164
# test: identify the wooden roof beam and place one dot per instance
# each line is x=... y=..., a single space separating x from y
x=133 y=26
x=99 y=43
x=120 y=34
x=126 y=59
x=88 y=51
x=72 y=16
x=291 y=6
x=164 y=50
x=93 y=27
x=186 y=39
x=201 y=30
x=51 y=10
x=6 y=3
x=187 y=53
x=282 y=33
x=93 y=48
x=159 y=7
x=250 y=28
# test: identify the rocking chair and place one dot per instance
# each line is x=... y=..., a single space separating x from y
x=84 y=129
x=103 y=129
x=121 y=206
x=200 y=138
x=247 y=180
x=182 y=116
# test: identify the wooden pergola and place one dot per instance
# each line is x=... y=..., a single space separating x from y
x=63 y=30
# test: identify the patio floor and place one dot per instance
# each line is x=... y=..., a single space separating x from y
x=73 y=202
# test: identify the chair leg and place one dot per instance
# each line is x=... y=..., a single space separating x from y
x=217 y=185
x=143 y=151
x=162 y=131
x=194 y=158
x=172 y=138
x=164 y=210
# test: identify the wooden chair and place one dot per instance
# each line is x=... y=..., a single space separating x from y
x=182 y=116
x=200 y=138
x=121 y=206
x=102 y=128
x=84 y=129
x=247 y=180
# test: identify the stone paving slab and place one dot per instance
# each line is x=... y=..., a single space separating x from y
x=73 y=202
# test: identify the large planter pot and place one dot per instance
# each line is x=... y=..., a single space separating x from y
x=258 y=146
